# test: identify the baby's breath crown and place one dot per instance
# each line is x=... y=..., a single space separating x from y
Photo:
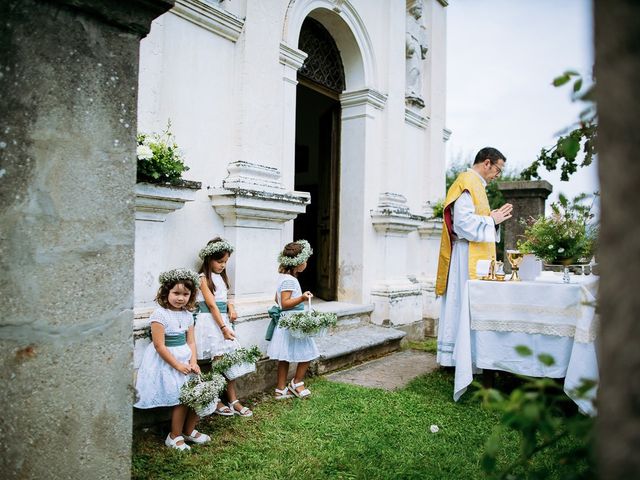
x=215 y=247
x=299 y=259
x=178 y=275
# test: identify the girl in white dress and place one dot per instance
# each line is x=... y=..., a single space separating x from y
x=213 y=332
x=171 y=357
x=290 y=298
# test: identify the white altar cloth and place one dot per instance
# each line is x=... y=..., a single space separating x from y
x=546 y=315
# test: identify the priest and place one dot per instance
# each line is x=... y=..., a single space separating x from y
x=470 y=232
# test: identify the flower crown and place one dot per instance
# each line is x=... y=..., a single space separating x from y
x=178 y=275
x=215 y=247
x=299 y=259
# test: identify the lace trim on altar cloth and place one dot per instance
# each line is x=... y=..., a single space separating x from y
x=579 y=335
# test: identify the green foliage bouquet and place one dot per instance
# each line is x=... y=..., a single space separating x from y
x=309 y=323
x=238 y=362
x=159 y=159
x=564 y=237
x=201 y=392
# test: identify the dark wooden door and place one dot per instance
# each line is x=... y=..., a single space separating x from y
x=328 y=205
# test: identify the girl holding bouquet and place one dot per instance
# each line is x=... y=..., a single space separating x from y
x=213 y=331
x=290 y=298
x=171 y=357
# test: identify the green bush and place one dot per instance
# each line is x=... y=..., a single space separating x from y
x=159 y=159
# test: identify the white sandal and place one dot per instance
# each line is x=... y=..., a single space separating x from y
x=243 y=412
x=292 y=388
x=173 y=443
x=283 y=394
x=197 y=437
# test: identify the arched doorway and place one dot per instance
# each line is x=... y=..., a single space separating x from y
x=317 y=154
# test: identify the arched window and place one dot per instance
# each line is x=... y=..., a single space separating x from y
x=323 y=64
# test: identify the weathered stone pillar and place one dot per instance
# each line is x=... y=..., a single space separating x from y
x=68 y=92
x=528 y=200
x=618 y=76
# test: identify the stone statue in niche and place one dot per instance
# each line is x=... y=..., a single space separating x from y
x=415 y=51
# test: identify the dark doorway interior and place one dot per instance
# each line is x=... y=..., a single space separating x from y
x=317 y=158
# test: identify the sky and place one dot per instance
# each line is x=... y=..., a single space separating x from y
x=501 y=58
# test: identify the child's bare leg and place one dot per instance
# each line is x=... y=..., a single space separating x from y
x=283 y=370
x=301 y=371
x=232 y=394
x=178 y=416
x=191 y=422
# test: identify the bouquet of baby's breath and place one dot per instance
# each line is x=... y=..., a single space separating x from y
x=241 y=355
x=564 y=236
x=309 y=323
x=200 y=391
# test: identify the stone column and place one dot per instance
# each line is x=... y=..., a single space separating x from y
x=528 y=200
x=68 y=90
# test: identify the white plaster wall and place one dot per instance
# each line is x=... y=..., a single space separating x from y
x=225 y=101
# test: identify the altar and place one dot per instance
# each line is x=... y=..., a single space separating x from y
x=545 y=315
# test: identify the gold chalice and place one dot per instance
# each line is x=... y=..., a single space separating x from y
x=515 y=259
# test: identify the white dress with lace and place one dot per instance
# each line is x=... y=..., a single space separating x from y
x=210 y=341
x=158 y=383
x=282 y=345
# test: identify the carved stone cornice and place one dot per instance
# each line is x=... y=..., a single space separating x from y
x=291 y=57
x=446 y=134
x=252 y=195
x=210 y=17
x=364 y=97
x=414 y=118
x=392 y=217
x=155 y=202
x=444 y=3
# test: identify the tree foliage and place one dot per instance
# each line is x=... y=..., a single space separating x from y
x=580 y=137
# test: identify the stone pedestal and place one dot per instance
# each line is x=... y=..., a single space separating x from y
x=255 y=206
x=528 y=200
x=397 y=298
x=153 y=204
x=68 y=83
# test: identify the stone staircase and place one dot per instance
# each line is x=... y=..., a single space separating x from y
x=354 y=340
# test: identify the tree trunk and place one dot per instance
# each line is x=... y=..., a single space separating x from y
x=617 y=32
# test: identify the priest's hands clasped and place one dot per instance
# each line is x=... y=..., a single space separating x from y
x=501 y=214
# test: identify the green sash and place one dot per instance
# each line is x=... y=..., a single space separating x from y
x=274 y=312
x=222 y=306
x=175 y=340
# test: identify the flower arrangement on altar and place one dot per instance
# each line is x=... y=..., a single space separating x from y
x=238 y=362
x=202 y=392
x=309 y=323
x=159 y=158
x=564 y=237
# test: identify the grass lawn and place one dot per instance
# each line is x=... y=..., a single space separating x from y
x=342 y=431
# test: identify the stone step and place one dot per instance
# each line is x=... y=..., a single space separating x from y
x=350 y=315
x=345 y=347
x=390 y=372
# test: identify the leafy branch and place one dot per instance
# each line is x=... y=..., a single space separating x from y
x=581 y=136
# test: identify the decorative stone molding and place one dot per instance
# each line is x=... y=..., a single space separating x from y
x=414 y=118
x=253 y=196
x=210 y=17
x=446 y=134
x=291 y=57
x=364 y=97
x=444 y=3
x=393 y=216
x=337 y=5
x=432 y=227
x=155 y=202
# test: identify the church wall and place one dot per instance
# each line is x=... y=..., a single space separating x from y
x=229 y=100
